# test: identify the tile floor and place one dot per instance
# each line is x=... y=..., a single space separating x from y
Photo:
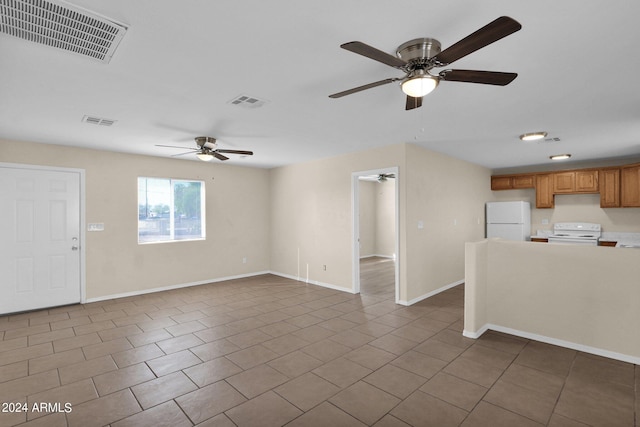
x=268 y=351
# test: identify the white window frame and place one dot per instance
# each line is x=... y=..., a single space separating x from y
x=172 y=236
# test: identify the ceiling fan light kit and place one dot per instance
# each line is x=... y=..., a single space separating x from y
x=418 y=56
x=420 y=84
x=205 y=157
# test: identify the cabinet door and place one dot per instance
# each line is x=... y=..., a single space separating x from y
x=524 y=181
x=630 y=186
x=544 y=191
x=610 y=188
x=586 y=181
x=501 y=183
x=564 y=182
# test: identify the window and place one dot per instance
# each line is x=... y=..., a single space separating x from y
x=170 y=210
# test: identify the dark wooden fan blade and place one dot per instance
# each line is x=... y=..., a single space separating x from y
x=373 y=53
x=413 y=103
x=484 y=77
x=486 y=35
x=364 y=87
x=243 y=152
x=219 y=156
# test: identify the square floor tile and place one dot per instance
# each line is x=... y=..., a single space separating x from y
x=325 y=415
x=209 y=401
x=256 y=380
x=163 y=389
x=342 y=372
x=122 y=378
x=103 y=411
x=307 y=391
x=370 y=357
x=454 y=390
x=266 y=410
x=486 y=414
x=420 y=364
x=252 y=356
x=421 y=409
x=396 y=381
x=295 y=364
x=168 y=414
x=212 y=371
x=173 y=362
x=326 y=350
x=365 y=402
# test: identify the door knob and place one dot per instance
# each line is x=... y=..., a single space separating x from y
x=74 y=248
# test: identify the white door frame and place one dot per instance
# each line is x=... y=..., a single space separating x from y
x=81 y=173
x=355 y=227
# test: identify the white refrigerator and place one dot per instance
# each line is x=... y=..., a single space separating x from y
x=509 y=220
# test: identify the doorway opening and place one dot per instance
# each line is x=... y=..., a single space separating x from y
x=375 y=203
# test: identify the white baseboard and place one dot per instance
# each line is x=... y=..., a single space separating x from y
x=170 y=287
x=554 y=341
x=312 y=282
x=430 y=294
x=377 y=255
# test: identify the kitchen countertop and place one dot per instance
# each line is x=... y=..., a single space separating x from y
x=622 y=239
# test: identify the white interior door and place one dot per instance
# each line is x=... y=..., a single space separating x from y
x=39 y=238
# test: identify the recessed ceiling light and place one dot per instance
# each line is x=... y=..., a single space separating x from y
x=560 y=157
x=533 y=136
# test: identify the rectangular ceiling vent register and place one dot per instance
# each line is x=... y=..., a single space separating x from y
x=247 y=101
x=98 y=121
x=63 y=26
x=548 y=140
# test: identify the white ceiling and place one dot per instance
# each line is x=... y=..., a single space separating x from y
x=181 y=62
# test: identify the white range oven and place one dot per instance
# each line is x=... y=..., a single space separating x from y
x=575 y=233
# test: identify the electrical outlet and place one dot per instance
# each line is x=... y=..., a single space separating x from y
x=244 y=260
x=324 y=267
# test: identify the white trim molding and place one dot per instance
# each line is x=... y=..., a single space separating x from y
x=432 y=293
x=553 y=341
x=313 y=282
x=170 y=287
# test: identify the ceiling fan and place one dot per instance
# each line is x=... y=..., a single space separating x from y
x=416 y=58
x=385 y=176
x=208 y=149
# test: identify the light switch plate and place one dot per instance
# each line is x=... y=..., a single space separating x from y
x=95 y=226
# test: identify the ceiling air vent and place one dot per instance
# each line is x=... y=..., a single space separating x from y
x=61 y=25
x=98 y=121
x=548 y=140
x=247 y=101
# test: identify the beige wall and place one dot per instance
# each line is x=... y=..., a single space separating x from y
x=311 y=224
x=368 y=218
x=311 y=216
x=575 y=208
x=237 y=208
x=448 y=195
x=377 y=218
x=584 y=297
x=291 y=220
x=385 y=218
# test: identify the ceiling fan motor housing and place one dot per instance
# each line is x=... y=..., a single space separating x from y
x=206 y=142
x=423 y=48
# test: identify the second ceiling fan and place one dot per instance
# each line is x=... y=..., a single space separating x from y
x=208 y=149
x=419 y=56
